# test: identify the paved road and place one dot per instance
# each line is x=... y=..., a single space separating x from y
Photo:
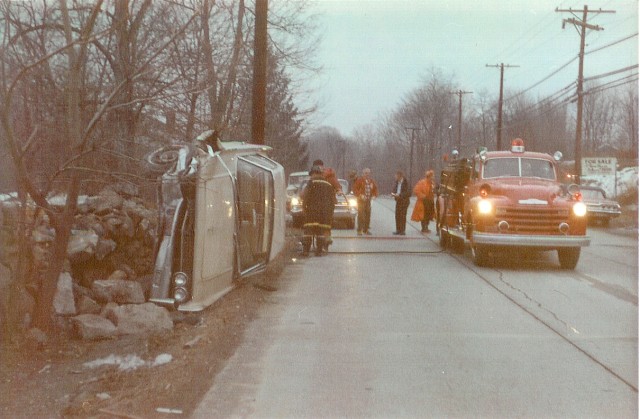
x=393 y=327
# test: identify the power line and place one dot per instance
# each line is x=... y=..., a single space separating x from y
x=611 y=44
x=553 y=73
x=611 y=73
x=611 y=85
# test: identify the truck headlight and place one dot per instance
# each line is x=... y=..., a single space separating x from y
x=353 y=202
x=580 y=209
x=295 y=201
x=485 y=206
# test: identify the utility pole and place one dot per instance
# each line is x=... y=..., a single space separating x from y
x=460 y=93
x=259 y=73
x=581 y=26
x=413 y=132
x=499 y=128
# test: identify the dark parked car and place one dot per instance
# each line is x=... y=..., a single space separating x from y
x=599 y=208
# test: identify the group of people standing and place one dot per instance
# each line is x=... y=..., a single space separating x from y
x=424 y=208
x=423 y=211
x=319 y=199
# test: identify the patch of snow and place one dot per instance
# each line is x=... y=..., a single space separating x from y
x=162 y=359
x=9 y=196
x=129 y=362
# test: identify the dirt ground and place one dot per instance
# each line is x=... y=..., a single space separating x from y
x=54 y=381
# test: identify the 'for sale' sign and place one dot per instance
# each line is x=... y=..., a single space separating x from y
x=599 y=166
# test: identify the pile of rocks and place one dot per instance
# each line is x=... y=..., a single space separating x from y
x=104 y=287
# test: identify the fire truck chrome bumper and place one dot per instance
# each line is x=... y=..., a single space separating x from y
x=519 y=240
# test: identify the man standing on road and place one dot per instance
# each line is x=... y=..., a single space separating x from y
x=401 y=194
x=317 y=206
x=365 y=189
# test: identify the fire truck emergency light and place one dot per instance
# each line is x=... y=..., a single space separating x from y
x=517 y=145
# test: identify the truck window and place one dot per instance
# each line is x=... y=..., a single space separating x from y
x=518 y=167
x=537 y=168
x=502 y=167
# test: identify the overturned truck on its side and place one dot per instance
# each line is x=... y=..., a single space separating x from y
x=221 y=217
x=511 y=200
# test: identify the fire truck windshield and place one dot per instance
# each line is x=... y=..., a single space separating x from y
x=518 y=167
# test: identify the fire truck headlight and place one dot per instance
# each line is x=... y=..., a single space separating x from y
x=580 y=209
x=353 y=202
x=485 y=206
x=295 y=201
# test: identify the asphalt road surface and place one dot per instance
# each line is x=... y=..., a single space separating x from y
x=388 y=326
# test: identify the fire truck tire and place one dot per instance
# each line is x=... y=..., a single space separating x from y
x=480 y=255
x=445 y=239
x=457 y=244
x=569 y=257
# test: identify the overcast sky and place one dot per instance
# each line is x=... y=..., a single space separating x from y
x=374 y=52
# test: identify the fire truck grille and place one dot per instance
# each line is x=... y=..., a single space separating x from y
x=532 y=220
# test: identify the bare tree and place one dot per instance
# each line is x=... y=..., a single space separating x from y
x=599 y=110
x=628 y=121
x=59 y=46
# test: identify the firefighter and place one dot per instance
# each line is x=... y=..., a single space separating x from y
x=318 y=202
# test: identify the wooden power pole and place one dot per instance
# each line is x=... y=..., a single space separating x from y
x=413 y=132
x=499 y=124
x=258 y=112
x=460 y=93
x=581 y=25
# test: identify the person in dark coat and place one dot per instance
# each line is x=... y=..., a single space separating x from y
x=401 y=194
x=318 y=202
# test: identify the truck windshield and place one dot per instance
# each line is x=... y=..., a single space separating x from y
x=518 y=167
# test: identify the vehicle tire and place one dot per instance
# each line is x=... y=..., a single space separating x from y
x=480 y=255
x=351 y=224
x=163 y=159
x=569 y=257
x=445 y=239
x=457 y=244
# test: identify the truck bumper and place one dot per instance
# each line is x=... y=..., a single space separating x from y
x=537 y=241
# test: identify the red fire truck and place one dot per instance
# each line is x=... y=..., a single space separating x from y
x=504 y=200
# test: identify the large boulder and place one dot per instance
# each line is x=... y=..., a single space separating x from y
x=63 y=301
x=117 y=290
x=82 y=245
x=106 y=202
x=93 y=326
x=145 y=318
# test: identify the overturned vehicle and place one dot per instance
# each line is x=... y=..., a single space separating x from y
x=221 y=218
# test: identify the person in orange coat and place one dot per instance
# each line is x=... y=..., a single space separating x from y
x=424 y=208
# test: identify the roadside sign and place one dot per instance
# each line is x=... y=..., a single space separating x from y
x=599 y=166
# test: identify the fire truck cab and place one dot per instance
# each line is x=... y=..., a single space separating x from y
x=506 y=200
